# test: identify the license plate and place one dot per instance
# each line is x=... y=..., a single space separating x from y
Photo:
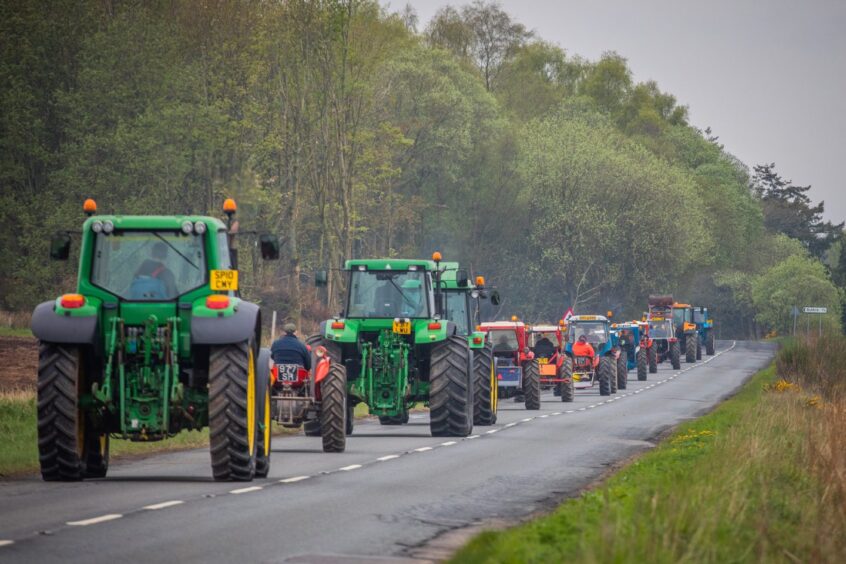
x=287 y=372
x=224 y=280
x=402 y=327
x=542 y=360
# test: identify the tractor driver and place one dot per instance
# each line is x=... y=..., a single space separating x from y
x=412 y=299
x=156 y=268
x=582 y=348
x=289 y=349
x=544 y=348
x=503 y=345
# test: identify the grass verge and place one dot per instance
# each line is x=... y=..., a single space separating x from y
x=759 y=478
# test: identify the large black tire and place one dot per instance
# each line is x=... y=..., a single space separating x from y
x=642 y=363
x=567 y=389
x=484 y=405
x=690 y=348
x=675 y=355
x=69 y=447
x=233 y=423
x=350 y=418
x=311 y=428
x=333 y=409
x=604 y=373
x=450 y=389
x=263 y=394
x=652 y=353
x=622 y=370
x=709 y=343
x=394 y=419
x=613 y=376
x=531 y=384
x=698 y=348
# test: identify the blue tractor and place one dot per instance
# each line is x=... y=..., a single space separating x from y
x=705 y=329
x=587 y=372
x=629 y=336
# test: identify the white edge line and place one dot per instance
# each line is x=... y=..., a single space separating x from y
x=246 y=490
x=6 y=542
x=163 y=505
x=294 y=479
x=350 y=467
x=95 y=520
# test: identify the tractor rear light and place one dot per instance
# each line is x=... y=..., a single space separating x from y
x=477 y=340
x=217 y=301
x=435 y=326
x=338 y=325
x=72 y=301
x=499 y=376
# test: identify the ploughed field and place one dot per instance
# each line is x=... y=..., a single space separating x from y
x=18 y=363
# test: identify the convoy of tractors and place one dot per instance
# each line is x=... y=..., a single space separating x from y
x=157 y=340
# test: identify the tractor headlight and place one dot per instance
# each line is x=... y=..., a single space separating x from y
x=108 y=227
x=199 y=228
x=187 y=227
x=97 y=227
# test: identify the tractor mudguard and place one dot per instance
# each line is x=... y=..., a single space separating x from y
x=321 y=369
x=49 y=327
x=236 y=328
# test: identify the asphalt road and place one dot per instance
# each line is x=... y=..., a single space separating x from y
x=391 y=492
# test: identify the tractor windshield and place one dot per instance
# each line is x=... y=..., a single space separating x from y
x=388 y=294
x=660 y=329
x=699 y=316
x=595 y=332
x=504 y=340
x=456 y=311
x=148 y=265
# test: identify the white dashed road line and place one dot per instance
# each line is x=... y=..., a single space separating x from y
x=388 y=457
x=294 y=479
x=350 y=467
x=449 y=443
x=95 y=520
x=6 y=542
x=246 y=490
x=163 y=505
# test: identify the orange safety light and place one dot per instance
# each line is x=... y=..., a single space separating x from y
x=72 y=301
x=513 y=318
x=436 y=256
x=478 y=327
x=89 y=206
x=480 y=281
x=229 y=206
x=217 y=301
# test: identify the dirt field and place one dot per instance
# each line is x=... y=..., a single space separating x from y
x=18 y=363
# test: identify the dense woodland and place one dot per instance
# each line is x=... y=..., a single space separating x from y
x=350 y=130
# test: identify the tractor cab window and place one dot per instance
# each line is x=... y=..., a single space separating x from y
x=389 y=294
x=679 y=316
x=660 y=329
x=503 y=340
x=148 y=265
x=224 y=259
x=457 y=311
x=698 y=316
x=594 y=332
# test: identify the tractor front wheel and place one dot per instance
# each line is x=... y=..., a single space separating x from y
x=233 y=424
x=698 y=348
x=333 y=409
x=652 y=353
x=604 y=373
x=450 y=389
x=622 y=370
x=675 y=355
x=642 y=363
x=531 y=384
x=709 y=343
x=567 y=390
x=484 y=405
x=690 y=348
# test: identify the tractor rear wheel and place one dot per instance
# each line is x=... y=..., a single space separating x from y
x=69 y=448
x=333 y=409
x=622 y=370
x=450 y=389
x=531 y=384
x=263 y=394
x=642 y=363
x=567 y=390
x=393 y=419
x=484 y=405
x=709 y=343
x=604 y=373
x=652 y=354
x=311 y=428
x=690 y=349
x=613 y=376
x=698 y=348
x=350 y=418
x=233 y=423
x=675 y=355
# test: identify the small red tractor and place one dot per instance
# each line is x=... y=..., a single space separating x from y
x=315 y=399
x=662 y=331
x=547 y=344
x=517 y=369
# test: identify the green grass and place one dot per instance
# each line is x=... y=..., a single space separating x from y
x=15 y=332
x=732 y=486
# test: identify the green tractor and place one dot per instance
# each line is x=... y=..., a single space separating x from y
x=154 y=341
x=461 y=306
x=397 y=346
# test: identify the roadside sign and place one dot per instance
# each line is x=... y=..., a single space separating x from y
x=815 y=309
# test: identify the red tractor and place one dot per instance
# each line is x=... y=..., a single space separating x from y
x=662 y=331
x=517 y=369
x=547 y=343
x=315 y=399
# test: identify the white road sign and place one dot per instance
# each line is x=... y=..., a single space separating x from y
x=815 y=309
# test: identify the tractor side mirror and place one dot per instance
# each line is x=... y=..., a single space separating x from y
x=462 y=278
x=495 y=298
x=269 y=246
x=321 y=278
x=60 y=247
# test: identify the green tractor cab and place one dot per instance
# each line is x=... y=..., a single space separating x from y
x=397 y=346
x=154 y=341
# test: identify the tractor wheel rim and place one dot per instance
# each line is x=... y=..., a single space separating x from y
x=494 y=389
x=267 y=423
x=251 y=402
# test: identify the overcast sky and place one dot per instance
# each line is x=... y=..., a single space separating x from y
x=768 y=77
